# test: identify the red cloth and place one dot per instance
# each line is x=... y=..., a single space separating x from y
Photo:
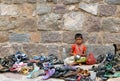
x=78 y=49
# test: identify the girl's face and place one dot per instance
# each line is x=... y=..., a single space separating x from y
x=78 y=40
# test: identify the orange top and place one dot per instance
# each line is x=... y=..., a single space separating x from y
x=78 y=49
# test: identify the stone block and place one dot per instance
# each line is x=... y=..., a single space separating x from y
x=35 y=37
x=34 y=49
x=73 y=21
x=43 y=9
x=50 y=37
x=49 y=22
x=69 y=37
x=111 y=38
x=25 y=24
x=113 y=2
x=14 y=37
x=100 y=49
x=11 y=10
x=71 y=1
x=92 y=24
x=90 y=8
x=111 y=25
x=4 y=37
x=106 y=10
x=59 y=9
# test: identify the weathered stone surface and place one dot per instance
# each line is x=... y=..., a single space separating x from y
x=25 y=24
x=41 y=1
x=111 y=38
x=5 y=50
x=100 y=49
x=6 y=1
x=16 y=48
x=49 y=22
x=67 y=49
x=9 y=10
x=73 y=21
x=59 y=8
x=57 y=1
x=6 y=24
x=19 y=1
x=34 y=49
x=111 y=25
x=4 y=37
x=26 y=9
x=71 y=1
x=106 y=10
x=19 y=37
x=90 y=8
x=92 y=24
x=95 y=38
x=92 y=1
x=50 y=37
x=31 y=1
x=43 y=9
x=35 y=36
x=69 y=37
x=114 y=2
x=53 y=49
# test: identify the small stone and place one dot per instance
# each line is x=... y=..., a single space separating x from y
x=114 y=2
x=9 y=10
x=67 y=2
x=50 y=37
x=35 y=37
x=111 y=25
x=49 y=22
x=19 y=37
x=111 y=38
x=73 y=21
x=90 y=8
x=106 y=10
x=43 y=9
x=92 y=24
x=59 y=8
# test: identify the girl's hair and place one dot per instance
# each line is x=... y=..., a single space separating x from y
x=78 y=35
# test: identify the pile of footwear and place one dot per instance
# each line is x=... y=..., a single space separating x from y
x=108 y=67
x=51 y=67
x=46 y=66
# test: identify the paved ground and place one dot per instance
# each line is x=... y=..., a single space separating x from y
x=19 y=77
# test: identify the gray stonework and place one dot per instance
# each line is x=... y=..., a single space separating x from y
x=47 y=26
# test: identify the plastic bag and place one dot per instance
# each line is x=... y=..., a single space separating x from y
x=90 y=59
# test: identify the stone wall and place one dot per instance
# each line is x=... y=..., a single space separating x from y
x=46 y=26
